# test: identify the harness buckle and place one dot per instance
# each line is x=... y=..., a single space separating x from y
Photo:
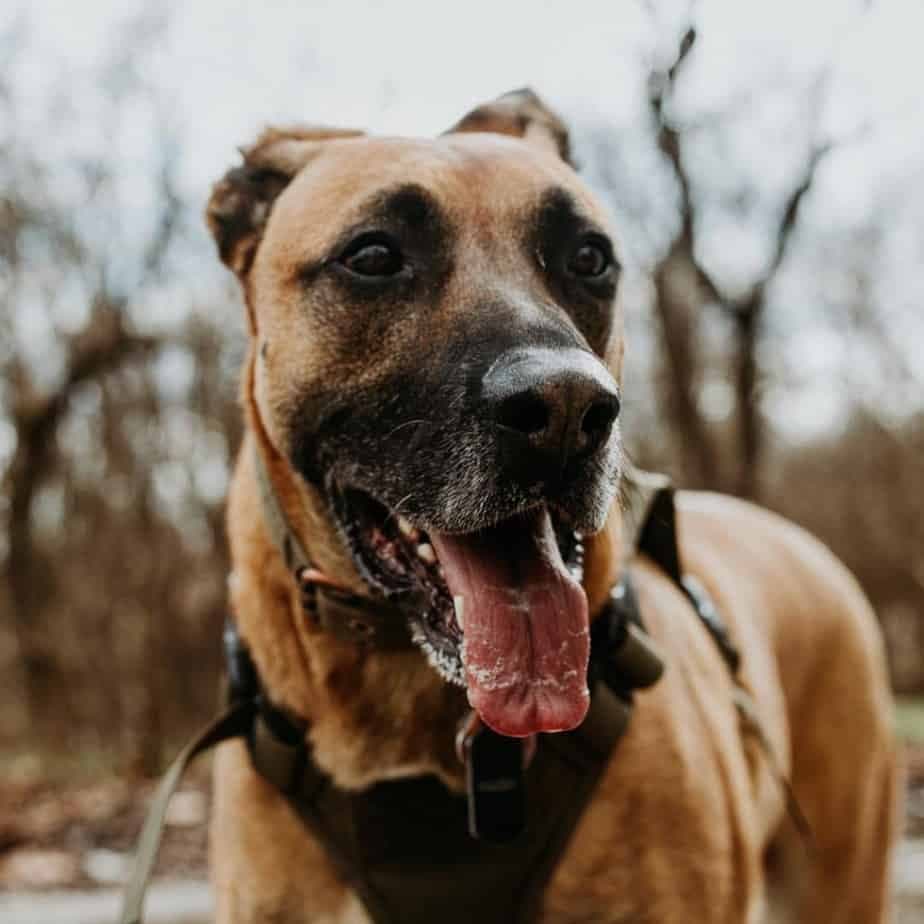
x=495 y=769
x=622 y=653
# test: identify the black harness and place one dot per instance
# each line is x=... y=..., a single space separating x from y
x=412 y=850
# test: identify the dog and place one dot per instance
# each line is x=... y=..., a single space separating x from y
x=432 y=386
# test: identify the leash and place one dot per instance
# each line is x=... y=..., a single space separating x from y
x=230 y=724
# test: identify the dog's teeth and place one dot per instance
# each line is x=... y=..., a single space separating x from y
x=458 y=602
x=425 y=553
x=408 y=530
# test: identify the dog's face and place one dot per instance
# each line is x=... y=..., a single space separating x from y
x=431 y=319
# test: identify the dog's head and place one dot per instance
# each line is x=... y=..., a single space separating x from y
x=436 y=350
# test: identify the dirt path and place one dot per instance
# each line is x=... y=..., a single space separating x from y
x=63 y=853
x=172 y=902
x=182 y=902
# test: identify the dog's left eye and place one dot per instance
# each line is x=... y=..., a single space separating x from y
x=589 y=261
x=373 y=258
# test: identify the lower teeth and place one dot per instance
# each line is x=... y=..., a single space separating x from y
x=459 y=603
x=425 y=553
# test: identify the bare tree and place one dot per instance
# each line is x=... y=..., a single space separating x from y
x=121 y=584
x=100 y=347
x=685 y=289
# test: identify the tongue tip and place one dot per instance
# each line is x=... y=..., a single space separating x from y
x=534 y=718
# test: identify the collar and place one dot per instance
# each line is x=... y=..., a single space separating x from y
x=370 y=622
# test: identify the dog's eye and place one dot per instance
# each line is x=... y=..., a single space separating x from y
x=374 y=258
x=590 y=260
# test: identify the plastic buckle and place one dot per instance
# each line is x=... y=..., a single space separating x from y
x=623 y=655
x=495 y=770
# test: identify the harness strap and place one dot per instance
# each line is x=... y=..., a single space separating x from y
x=569 y=763
x=376 y=837
x=750 y=722
x=453 y=873
x=658 y=540
x=623 y=658
x=606 y=723
x=658 y=536
x=233 y=723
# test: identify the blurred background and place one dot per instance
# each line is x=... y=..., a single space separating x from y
x=764 y=162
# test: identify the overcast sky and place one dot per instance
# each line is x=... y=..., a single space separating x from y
x=405 y=67
x=228 y=67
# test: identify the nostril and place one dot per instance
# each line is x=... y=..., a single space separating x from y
x=599 y=416
x=597 y=420
x=525 y=412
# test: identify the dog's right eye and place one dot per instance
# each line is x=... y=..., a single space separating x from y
x=372 y=257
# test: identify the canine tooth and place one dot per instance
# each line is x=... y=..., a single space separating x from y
x=425 y=553
x=406 y=528
x=458 y=601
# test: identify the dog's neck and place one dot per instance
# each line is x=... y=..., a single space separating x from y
x=372 y=715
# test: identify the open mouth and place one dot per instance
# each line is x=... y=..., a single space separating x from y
x=500 y=611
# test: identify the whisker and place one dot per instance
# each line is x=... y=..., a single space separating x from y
x=401 y=426
x=393 y=515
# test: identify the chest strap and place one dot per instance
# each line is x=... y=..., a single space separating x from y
x=657 y=539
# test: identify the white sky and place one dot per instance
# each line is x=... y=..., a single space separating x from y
x=229 y=67
x=412 y=67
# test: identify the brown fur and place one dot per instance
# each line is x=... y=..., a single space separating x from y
x=689 y=823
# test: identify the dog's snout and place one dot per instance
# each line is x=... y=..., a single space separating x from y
x=550 y=408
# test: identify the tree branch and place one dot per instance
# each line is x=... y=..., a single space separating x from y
x=100 y=347
x=753 y=301
x=661 y=86
x=682 y=285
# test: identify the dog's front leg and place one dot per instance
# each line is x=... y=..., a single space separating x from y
x=266 y=867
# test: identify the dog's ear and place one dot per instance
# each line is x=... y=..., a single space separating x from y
x=241 y=201
x=520 y=113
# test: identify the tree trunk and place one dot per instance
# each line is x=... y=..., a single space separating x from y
x=677 y=313
x=750 y=423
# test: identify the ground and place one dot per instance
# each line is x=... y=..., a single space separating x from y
x=64 y=848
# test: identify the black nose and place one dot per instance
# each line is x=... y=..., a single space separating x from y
x=550 y=408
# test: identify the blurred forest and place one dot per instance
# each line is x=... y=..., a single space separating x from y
x=119 y=355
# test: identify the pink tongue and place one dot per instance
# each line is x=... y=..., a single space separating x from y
x=526 y=638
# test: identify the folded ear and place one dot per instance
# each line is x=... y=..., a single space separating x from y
x=520 y=113
x=241 y=201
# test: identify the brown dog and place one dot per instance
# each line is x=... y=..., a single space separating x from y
x=435 y=336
